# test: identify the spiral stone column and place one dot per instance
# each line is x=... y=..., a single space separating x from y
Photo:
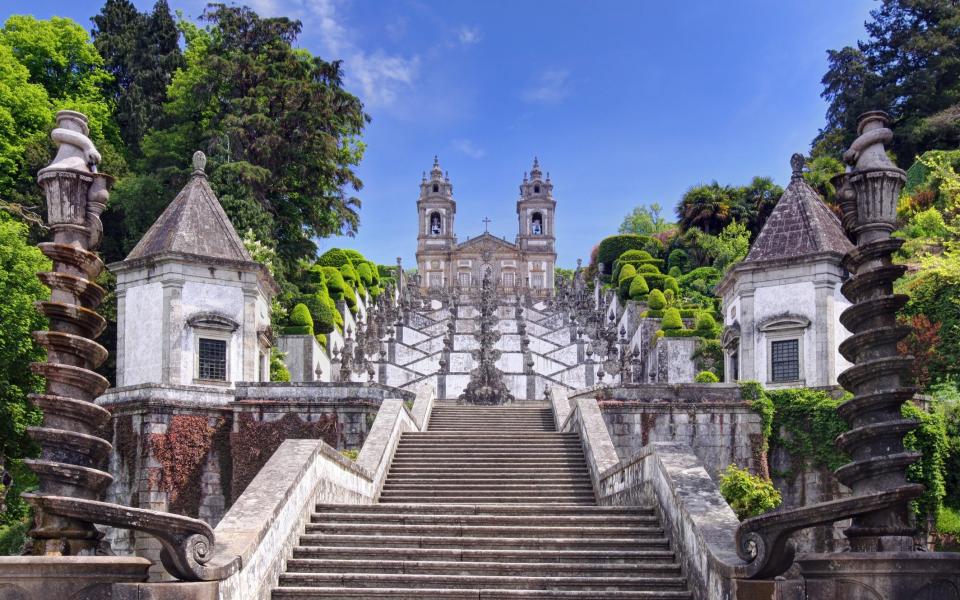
x=880 y=374
x=73 y=456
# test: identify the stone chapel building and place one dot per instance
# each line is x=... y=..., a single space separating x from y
x=523 y=265
x=782 y=304
x=193 y=308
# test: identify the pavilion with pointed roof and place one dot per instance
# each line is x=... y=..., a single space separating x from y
x=193 y=307
x=781 y=305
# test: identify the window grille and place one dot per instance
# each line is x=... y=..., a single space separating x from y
x=785 y=360
x=536 y=280
x=212 y=359
x=509 y=280
x=464 y=279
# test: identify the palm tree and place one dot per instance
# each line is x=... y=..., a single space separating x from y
x=705 y=207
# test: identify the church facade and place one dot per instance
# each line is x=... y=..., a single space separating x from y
x=525 y=265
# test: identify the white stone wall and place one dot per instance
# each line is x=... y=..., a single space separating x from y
x=795 y=299
x=198 y=297
x=142 y=330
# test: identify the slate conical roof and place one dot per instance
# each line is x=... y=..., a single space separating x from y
x=800 y=225
x=194 y=223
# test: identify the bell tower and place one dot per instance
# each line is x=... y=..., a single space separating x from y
x=536 y=238
x=436 y=211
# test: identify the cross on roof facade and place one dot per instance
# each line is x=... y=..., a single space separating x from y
x=486 y=225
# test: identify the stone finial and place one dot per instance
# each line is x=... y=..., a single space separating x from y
x=75 y=151
x=868 y=151
x=436 y=172
x=199 y=163
x=797 y=162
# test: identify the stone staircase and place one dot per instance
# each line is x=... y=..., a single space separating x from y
x=490 y=502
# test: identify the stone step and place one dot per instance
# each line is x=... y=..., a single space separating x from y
x=485 y=454
x=514 y=555
x=472 y=594
x=473 y=499
x=506 y=486
x=411 y=580
x=433 y=529
x=457 y=478
x=484 y=492
x=493 y=435
x=464 y=519
x=665 y=567
x=634 y=542
x=485 y=509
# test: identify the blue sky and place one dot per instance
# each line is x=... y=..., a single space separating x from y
x=625 y=103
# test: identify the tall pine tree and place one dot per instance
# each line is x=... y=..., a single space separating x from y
x=141 y=51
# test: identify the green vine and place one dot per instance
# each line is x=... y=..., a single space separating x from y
x=806 y=425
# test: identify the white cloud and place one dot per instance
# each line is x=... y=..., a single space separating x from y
x=469 y=148
x=469 y=35
x=551 y=87
x=380 y=76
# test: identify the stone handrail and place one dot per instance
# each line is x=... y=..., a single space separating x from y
x=559 y=399
x=669 y=476
x=393 y=419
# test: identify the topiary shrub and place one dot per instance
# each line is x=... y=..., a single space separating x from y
x=669 y=283
x=336 y=285
x=366 y=274
x=612 y=247
x=748 y=495
x=638 y=288
x=301 y=323
x=334 y=257
x=675 y=272
x=656 y=300
x=678 y=258
x=706 y=377
x=355 y=257
x=350 y=275
x=706 y=325
x=322 y=340
x=671 y=320
x=627 y=272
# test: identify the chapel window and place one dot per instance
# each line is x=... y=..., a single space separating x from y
x=536 y=224
x=212 y=359
x=464 y=278
x=436 y=188
x=735 y=366
x=436 y=280
x=435 y=224
x=784 y=360
x=536 y=280
x=509 y=280
x=536 y=189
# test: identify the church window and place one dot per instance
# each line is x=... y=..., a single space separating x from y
x=212 y=359
x=464 y=278
x=436 y=188
x=536 y=224
x=735 y=366
x=536 y=280
x=536 y=189
x=509 y=280
x=785 y=360
x=435 y=224
x=436 y=280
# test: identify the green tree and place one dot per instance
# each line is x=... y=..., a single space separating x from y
x=280 y=131
x=910 y=66
x=645 y=220
x=728 y=248
x=19 y=288
x=705 y=207
x=64 y=72
x=752 y=204
x=141 y=51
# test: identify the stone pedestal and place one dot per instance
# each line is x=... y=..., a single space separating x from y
x=882 y=576
x=67 y=577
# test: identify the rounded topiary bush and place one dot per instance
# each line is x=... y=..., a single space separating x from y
x=336 y=285
x=366 y=274
x=301 y=323
x=627 y=272
x=355 y=257
x=675 y=272
x=670 y=284
x=334 y=257
x=706 y=377
x=631 y=255
x=325 y=317
x=671 y=320
x=638 y=288
x=648 y=268
x=350 y=275
x=706 y=324
x=656 y=300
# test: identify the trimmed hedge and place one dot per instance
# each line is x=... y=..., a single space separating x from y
x=334 y=257
x=627 y=272
x=671 y=320
x=638 y=288
x=366 y=274
x=656 y=300
x=706 y=377
x=612 y=247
